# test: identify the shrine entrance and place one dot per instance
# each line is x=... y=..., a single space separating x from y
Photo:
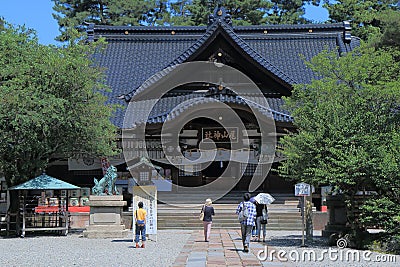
x=213 y=171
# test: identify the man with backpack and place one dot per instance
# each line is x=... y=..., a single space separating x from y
x=247 y=215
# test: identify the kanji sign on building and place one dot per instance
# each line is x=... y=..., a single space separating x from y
x=221 y=135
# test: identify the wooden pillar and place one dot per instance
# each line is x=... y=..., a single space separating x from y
x=309 y=218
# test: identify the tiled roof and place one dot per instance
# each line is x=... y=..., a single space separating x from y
x=134 y=54
x=240 y=42
x=169 y=108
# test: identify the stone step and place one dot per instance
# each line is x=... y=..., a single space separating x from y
x=222 y=208
x=189 y=220
x=226 y=220
x=232 y=223
x=283 y=213
x=188 y=197
x=293 y=227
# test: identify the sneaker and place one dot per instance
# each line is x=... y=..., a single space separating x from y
x=142 y=246
x=246 y=249
x=137 y=245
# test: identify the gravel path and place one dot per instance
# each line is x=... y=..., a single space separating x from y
x=74 y=250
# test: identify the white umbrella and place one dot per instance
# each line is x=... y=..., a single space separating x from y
x=264 y=198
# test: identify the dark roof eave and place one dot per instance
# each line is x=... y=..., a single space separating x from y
x=277 y=27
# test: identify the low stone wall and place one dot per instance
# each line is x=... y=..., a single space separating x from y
x=320 y=219
x=80 y=220
x=127 y=217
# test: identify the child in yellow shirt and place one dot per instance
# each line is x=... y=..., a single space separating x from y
x=140 y=225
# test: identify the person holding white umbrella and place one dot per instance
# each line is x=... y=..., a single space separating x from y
x=262 y=200
x=261 y=221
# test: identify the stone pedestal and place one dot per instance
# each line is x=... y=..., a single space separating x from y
x=105 y=217
x=337 y=215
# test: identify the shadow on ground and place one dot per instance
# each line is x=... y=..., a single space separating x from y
x=296 y=240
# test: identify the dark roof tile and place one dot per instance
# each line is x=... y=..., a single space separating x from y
x=134 y=54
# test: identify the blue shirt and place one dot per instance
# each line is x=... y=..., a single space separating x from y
x=251 y=208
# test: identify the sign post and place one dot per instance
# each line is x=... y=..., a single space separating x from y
x=148 y=195
x=302 y=190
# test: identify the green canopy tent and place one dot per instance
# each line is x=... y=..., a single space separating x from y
x=37 y=218
x=44 y=182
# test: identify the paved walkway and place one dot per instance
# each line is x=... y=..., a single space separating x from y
x=224 y=249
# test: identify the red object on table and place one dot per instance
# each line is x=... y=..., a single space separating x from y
x=51 y=209
x=47 y=209
x=78 y=209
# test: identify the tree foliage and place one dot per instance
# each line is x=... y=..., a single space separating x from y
x=51 y=104
x=388 y=35
x=196 y=12
x=348 y=126
x=1 y=23
x=365 y=15
x=382 y=212
x=349 y=120
x=74 y=13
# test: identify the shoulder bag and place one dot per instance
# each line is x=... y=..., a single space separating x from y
x=264 y=219
x=201 y=216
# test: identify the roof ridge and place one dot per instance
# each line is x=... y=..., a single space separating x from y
x=338 y=26
x=260 y=59
x=185 y=55
x=237 y=39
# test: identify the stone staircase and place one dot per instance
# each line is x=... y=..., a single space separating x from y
x=283 y=213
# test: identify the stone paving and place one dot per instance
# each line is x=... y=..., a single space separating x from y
x=224 y=249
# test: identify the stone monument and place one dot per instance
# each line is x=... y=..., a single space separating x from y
x=337 y=216
x=106 y=209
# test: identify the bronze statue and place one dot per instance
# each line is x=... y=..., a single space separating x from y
x=106 y=185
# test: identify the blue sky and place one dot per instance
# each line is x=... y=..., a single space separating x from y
x=37 y=14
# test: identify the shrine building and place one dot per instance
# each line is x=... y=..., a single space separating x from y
x=272 y=56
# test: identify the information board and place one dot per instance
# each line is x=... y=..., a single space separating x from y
x=148 y=195
x=302 y=189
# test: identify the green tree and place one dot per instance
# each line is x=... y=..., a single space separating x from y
x=51 y=104
x=388 y=36
x=348 y=126
x=248 y=12
x=74 y=13
x=287 y=12
x=364 y=15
